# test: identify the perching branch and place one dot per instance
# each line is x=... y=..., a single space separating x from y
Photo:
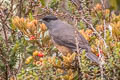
x=95 y=31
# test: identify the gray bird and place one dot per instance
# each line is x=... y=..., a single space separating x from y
x=63 y=37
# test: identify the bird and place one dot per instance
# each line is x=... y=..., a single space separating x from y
x=63 y=37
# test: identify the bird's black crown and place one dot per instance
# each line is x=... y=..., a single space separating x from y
x=49 y=18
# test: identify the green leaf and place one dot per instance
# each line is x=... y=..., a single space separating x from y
x=30 y=16
x=42 y=2
x=13 y=27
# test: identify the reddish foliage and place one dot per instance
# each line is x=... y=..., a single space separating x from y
x=32 y=38
x=40 y=54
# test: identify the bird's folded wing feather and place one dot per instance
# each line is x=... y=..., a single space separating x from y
x=65 y=35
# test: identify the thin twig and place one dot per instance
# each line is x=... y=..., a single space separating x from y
x=6 y=64
x=102 y=2
x=4 y=19
x=78 y=51
x=104 y=29
x=95 y=31
x=4 y=22
x=20 y=7
x=101 y=58
x=104 y=21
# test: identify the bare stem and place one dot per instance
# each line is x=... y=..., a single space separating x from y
x=95 y=31
x=78 y=51
x=6 y=64
x=101 y=58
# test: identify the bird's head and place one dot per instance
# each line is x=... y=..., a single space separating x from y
x=47 y=19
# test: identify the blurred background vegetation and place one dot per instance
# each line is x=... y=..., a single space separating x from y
x=27 y=53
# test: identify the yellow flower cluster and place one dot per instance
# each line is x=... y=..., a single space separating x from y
x=67 y=60
x=28 y=27
x=99 y=28
x=116 y=27
x=87 y=34
x=69 y=76
x=43 y=27
x=28 y=60
x=36 y=57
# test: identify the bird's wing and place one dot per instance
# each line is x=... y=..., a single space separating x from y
x=64 y=42
x=64 y=35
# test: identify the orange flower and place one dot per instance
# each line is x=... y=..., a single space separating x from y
x=43 y=27
x=89 y=31
x=84 y=34
x=98 y=7
x=107 y=11
x=35 y=22
x=99 y=28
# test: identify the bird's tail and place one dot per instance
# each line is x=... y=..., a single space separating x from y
x=92 y=57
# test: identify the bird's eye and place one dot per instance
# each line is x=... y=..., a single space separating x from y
x=46 y=19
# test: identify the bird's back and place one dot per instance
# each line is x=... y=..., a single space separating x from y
x=64 y=34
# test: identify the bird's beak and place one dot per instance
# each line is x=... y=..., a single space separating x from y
x=40 y=20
